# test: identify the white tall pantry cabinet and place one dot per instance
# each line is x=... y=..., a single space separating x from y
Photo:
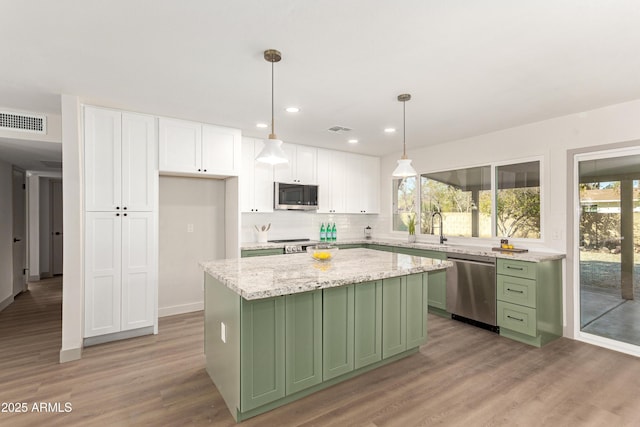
x=121 y=186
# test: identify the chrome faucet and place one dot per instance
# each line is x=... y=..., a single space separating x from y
x=442 y=238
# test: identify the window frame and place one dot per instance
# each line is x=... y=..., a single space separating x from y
x=494 y=194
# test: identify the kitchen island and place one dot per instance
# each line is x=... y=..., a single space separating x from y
x=278 y=328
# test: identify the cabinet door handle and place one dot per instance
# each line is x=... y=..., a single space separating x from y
x=117 y=214
x=515 y=268
x=199 y=170
x=515 y=290
x=125 y=214
x=117 y=207
x=515 y=318
x=125 y=208
x=16 y=240
x=204 y=170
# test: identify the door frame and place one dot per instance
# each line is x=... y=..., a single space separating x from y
x=574 y=157
x=15 y=212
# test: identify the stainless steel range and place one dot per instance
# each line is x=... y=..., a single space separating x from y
x=294 y=246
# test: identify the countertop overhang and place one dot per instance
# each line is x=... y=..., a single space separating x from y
x=276 y=275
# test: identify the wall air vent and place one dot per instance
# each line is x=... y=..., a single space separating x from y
x=21 y=122
x=339 y=129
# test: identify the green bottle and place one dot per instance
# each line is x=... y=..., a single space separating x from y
x=334 y=233
x=323 y=232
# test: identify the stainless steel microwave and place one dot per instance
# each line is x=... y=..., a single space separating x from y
x=295 y=197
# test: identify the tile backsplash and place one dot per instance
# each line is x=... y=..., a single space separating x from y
x=306 y=225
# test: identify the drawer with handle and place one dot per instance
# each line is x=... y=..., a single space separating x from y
x=517 y=318
x=516 y=290
x=515 y=268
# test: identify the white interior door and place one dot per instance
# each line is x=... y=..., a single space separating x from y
x=56 y=227
x=19 y=232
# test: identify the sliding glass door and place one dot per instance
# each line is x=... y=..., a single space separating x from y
x=609 y=245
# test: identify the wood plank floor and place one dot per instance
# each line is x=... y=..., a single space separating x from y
x=464 y=376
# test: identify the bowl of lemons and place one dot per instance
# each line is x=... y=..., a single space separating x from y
x=322 y=252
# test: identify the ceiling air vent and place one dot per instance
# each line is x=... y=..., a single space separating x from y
x=339 y=129
x=21 y=122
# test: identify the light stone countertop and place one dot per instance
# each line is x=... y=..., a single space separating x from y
x=531 y=256
x=275 y=275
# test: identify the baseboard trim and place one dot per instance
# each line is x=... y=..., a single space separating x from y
x=180 y=309
x=70 y=355
x=45 y=275
x=101 y=339
x=6 y=303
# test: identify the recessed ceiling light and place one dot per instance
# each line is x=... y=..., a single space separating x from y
x=389 y=130
x=352 y=141
x=261 y=125
x=292 y=109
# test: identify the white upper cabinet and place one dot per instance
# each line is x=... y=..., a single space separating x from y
x=331 y=181
x=190 y=148
x=180 y=146
x=362 y=184
x=120 y=158
x=256 y=179
x=221 y=150
x=302 y=165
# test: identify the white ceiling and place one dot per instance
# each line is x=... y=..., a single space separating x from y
x=471 y=66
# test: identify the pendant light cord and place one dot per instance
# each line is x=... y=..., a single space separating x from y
x=404 y=129
x=273 y=132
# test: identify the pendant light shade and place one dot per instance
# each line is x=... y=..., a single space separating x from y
x=272 y=152
x=404 y=168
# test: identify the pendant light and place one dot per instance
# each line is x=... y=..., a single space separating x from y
x=272 y=152
x=404 y=168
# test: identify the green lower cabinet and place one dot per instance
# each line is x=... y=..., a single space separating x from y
x=394 y=320
x=261 y=252
x=337 y=331
x=303 y=319
x=262 y=352
x=350 y=246
x=437 y=279
x=417 y=291
x=368 y=323
x=381 y=248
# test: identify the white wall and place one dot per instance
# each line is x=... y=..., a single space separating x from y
x=306 y=225
x=33 y=225
x=183 y=202
x=6 y=235
x=72 y=283
x=44 y=226
x=550 y=139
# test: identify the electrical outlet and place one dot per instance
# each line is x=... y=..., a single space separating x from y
x=223 y=332
x=556 y=234
x=189 y=228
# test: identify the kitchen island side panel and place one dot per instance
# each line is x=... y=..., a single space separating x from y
x=222 y=306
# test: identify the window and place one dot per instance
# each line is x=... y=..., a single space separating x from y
x=473 y=204
x=404 y=202
x=518 y=200
x=462 y=196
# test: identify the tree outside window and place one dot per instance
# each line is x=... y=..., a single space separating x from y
x=404 y=202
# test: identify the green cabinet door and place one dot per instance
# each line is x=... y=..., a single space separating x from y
x=337 y=331
x=394 y=321
x=303 y=317
x=262 y=352
x=417 y=290
x=368 y=323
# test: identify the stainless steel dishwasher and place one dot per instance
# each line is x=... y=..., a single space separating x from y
x=471 y=289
